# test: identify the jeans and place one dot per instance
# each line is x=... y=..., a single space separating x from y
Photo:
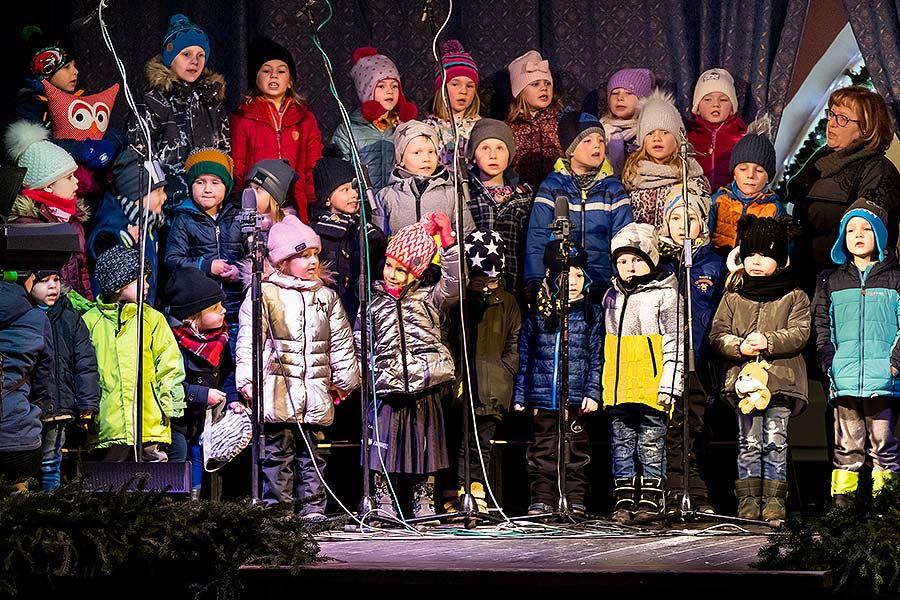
x=638 y=432
x=54 y=438
x=762 y=443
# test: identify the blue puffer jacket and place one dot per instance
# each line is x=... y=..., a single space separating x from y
x=857 y=330
x=537 y=358
x=376 y=148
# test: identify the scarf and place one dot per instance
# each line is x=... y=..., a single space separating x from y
x=767 y=288
x=585 y=180
x=623 y=129
x=61 y=208
x=206 y=346
x=130 y=208
x=500 y=193
x=834 y=162
x=653 y=175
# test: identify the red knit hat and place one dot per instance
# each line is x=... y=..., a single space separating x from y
x=414 y=246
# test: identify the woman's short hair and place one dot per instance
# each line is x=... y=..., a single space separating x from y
x=874 y=122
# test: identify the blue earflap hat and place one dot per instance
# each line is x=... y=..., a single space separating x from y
x=871 y=212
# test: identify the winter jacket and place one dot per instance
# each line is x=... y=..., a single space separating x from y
x=643 y=348
x=649 y=188
x=342 y=256
x=404 y=201
x=857 y=321
x=596 y=213
x=181 y=116
x=786 y=324
x=537 y=146
x=77 y=377
x=539 y=360
x=114 y=331
x=448 y=150
x=308 y=348
x=408 y=355
x=825 y=188
x=713 y=143
x=26 y=345
x=196 y=239
x=375 y=147
x=729 y=204
x=259 y=131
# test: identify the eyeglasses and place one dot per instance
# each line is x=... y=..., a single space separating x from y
x=841 y=120
x=486 y=284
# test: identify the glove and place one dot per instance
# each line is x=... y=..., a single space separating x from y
x=443 y=228
x=96 y=153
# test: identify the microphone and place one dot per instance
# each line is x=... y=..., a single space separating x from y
x=561 y=224
x=426 y=8
x=250 y=217
x=304 y=8
x=81 y=23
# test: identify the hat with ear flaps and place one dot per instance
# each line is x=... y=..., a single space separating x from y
x=697 y=203
x=370 y=67
x=871 y=212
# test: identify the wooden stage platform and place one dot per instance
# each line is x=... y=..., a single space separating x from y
x=527 y=560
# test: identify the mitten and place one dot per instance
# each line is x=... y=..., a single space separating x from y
x=96 y=153
x=444 y=229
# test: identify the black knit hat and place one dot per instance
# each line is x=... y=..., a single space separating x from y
x=574 y=127
x=261 y=51
x=763 y=235
x=329 y=174
x=577 y=258
x=190 y=291
x=116 y=267
x=756 y=149
x=276 y=176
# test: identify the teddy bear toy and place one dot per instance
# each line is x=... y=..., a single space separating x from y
x=751 y=387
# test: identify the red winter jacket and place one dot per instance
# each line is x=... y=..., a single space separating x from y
x=257 y=134
x=713 y=144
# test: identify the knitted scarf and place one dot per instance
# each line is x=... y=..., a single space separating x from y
x=767 y=288
x=206 y=346
x=652 y=175
x=624 y=129
x=130 y=208
x=61 y=208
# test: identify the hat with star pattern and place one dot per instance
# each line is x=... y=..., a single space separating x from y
x=485 y=253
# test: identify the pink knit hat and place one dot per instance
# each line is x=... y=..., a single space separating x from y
x=458 y=63
x=290 y=237
x=529 y=67
x=370 y=67
x=413 y=246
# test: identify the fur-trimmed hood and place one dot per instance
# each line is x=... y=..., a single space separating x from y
x=161 y=77
x=23 y=206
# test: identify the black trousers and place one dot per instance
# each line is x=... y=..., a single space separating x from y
x=542 y=459
x=697 y=400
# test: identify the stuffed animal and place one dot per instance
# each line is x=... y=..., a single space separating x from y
x=80 y=117
x=751 y=387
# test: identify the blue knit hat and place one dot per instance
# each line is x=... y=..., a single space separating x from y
x=871 y=212
x=180 y=35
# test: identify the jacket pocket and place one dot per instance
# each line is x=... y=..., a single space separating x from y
x=652 y=356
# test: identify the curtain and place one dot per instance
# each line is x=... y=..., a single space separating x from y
x=876 y=25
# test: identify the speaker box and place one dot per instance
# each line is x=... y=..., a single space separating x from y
x=173 y=478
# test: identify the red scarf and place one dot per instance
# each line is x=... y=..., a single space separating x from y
x=61 y=205
x=208 y=346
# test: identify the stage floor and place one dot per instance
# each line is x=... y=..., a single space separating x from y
x=526 y=559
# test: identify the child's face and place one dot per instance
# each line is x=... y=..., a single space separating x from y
x=760 y=265
x=344 y=199
x=630 y=266
x=155 y=200
x=264 y=199
x=387 y=93
x=461 y=93
x=538 y=94
x=838 y=137
x=129 y=293
x=860 y=238
x=64 y=187
x=589 y=153
x=189 y=63
x=750 y=178
x=659 y=145
x=622 y=104
x=208 y=192
x=676 y=224
x=66 y=78
x=304 y=265
x=715 y=107
x=396 y=276
x=492 y=157
x=273 y=80
x=420 y=156
x=211 y=318
x=46 y=291
x=576 y=282
x=482 y=284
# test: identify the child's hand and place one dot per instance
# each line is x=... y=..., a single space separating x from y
x=231 y=273
x=588 y=405
x=236 y=407
x=758 y=341
x=519 y=407
x=247 y=391
x=218 y=266
x=665 y=399
x=443 y=227
x=748 y=349
x=214 y=396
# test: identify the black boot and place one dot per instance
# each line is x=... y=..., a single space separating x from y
x=625 y=494
x=652 y=498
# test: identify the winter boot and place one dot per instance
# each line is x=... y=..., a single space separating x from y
x=652 y=498
x=383 y=501
x=843 y=483
x=480 y=496
x=625 y=505
x=749 y=494
x=451 y=500
x=423 y=500
x=879 y=479
x=774 y=494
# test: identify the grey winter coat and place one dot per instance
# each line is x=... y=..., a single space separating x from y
x=402 y=203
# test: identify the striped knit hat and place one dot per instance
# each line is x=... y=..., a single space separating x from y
x=413 y=247
x=457 y=62
x=210 y=161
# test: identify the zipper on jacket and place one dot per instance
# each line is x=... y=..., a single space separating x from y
x=583 y=212
x=862 y=337
x=652 y=357
x=402 y=346
x=218 y=246
x=619 y=350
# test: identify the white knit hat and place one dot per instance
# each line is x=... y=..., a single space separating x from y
x=715 y=80
x=658 y=112
x=527 y=68
x=44 y=161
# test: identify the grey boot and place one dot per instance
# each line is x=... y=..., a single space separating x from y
x=749 y=494
x=652 y=498
x=774 y=494
x=625 y=494
x=383 y=500
x=423 y=500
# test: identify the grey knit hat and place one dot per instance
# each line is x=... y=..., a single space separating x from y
x=658 y=111
x=487 y=129
x=405 y=132
x=275 y=176
x=756 y=149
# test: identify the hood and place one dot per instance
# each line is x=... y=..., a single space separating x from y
x=160 y=77
x=562 y=166
x=13 y=303
x=662 y=279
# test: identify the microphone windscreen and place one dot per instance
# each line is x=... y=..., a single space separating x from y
x=248 y=199
x=561 y=208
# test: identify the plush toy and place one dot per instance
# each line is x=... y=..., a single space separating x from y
x=751 y=387
x=79 y=117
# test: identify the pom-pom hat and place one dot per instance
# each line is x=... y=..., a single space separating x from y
x=181 y=34
x=413 y=247
x=45 y=162
x=658 y=111
x=457 y=62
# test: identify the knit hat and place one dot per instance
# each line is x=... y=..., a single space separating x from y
x=180 y=35
x=370 y=67
x=116 y=267
x=42 y=274
x=276 y=176
x=457 y=62
x=405 y=132
x=639 y=82
x=46 y=56
x=574 y=127
x=639 y=239
x=714 y=80
x=45 y=162
x=658 y=112
x=413 y=247
x=487 y=129
x=261 y=51
x=210 y=161
x=485 y=253
x=527 y=68
x=756 y=149
x=554 y=265
x=329 y=174
x=763 y=235
x=871 y=212
x=290 y=237
x=132 y=174
x=191 y=291
x=697 y=204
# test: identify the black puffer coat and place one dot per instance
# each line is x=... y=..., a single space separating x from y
x=76 y=362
